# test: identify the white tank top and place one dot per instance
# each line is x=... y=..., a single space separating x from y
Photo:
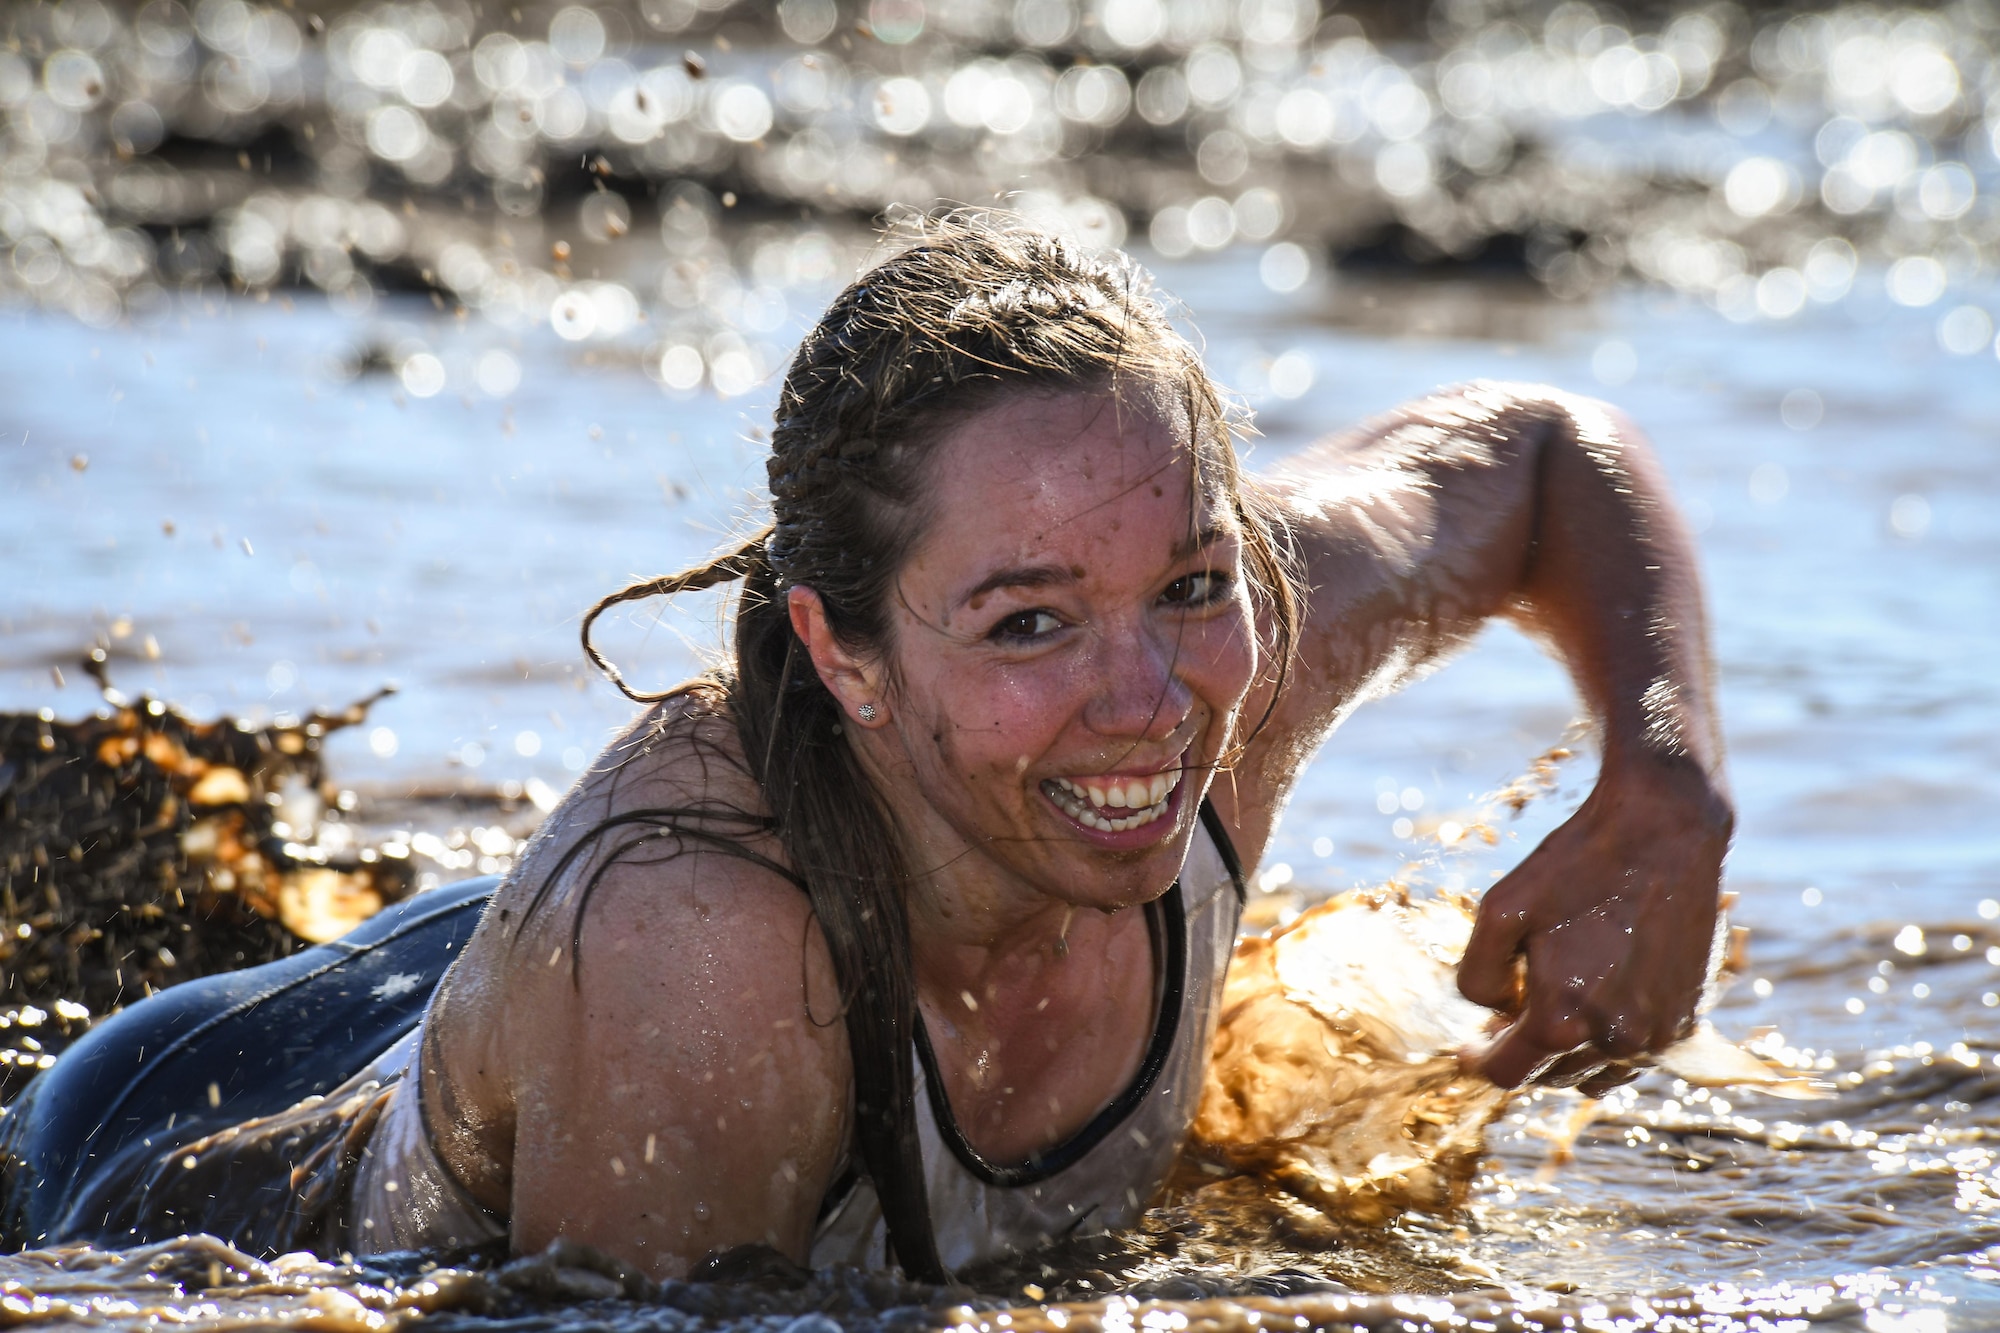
x=1100 y=1180
x=1103 y=1178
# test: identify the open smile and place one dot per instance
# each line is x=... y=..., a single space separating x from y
x=1115 y=803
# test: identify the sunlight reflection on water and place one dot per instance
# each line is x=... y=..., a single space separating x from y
x=449 y=542
x=262 y=502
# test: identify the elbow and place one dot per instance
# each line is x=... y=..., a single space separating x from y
x=1543 y=415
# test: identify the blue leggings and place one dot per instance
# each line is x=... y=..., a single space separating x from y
x=214 y=1052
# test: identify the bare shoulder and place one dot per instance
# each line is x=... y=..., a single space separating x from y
x=649 y=1002
x=679 y=1070
x=665 y=819
x=1466 y=425
x=1377 y=513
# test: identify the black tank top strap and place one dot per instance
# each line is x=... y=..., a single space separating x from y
x=1218 y=832
x=1171 y=914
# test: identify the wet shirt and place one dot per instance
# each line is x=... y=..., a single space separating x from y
x=1101 y=1179
x=1104 y=1177
x=404 y=1198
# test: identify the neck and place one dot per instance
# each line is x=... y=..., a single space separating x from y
x=980 y=928
x=1035 y=980
x=1009 y=959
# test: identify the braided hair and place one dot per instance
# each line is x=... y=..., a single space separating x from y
x=972 y=310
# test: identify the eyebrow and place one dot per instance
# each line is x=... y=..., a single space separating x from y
x=1021 y=576
x=1047 y=576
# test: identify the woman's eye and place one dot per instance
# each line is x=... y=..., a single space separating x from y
x=1027 y=625
x=1198 y=589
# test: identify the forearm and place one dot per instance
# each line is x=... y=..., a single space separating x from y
x=1550 y=509
x=1611 y=583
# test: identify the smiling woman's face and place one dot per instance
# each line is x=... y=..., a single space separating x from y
x=1071 y=642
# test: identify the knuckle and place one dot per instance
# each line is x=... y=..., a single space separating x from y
x=1511 y=895
x=1475 y=987
x=1490 y=988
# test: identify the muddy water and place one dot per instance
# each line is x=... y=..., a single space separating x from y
x=330 y=530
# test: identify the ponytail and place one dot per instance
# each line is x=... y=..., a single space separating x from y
x=738 y=564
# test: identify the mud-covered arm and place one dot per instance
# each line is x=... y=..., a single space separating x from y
x=1550 y=509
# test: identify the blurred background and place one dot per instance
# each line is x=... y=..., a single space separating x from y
x=346 y=344
x=350 y=344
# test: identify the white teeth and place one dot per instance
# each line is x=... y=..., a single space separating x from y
x=1097 y=821
x=1093 y=795
x=1146 y=798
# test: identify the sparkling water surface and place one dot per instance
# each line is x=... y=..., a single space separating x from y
x=252 y=522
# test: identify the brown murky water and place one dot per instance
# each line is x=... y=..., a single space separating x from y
x=1722 y=1216
x=1858 y=1195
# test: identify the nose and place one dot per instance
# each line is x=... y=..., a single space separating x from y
x=1140 y=695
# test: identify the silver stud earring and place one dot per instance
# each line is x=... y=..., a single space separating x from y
x=867 y=712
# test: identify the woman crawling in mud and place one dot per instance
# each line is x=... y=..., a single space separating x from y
x=899 y=937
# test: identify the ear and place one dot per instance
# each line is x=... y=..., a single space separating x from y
x=855 y=683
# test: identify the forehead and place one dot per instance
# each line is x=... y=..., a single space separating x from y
x=1043 y=477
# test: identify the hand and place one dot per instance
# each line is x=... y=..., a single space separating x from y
x=1615 y=916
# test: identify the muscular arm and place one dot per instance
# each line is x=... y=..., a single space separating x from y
x=1550 y=509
